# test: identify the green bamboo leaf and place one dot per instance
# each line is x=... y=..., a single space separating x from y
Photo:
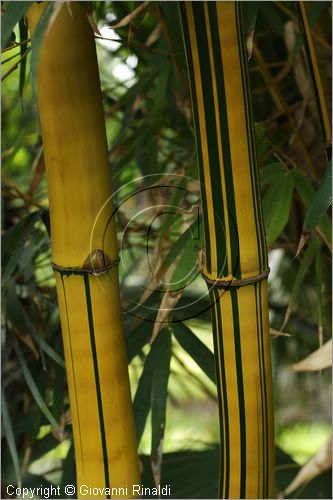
x=9 y=435
x=160 y=93
x=304 y=267
x=138 y=337
x=273 y=17
x=307 y=194
x=321 y=202
x=172 y=18
x=13 y=243
x=13 y=12
x=69 y=472
x=250 y=14
x=195 y=348
x=276 y=206
x=34 y=389
x=193 y=234
x=142 y=398
x=319 y=288
x=271 y=172
x=21 y=320
x=185 y=269
x=159 y=392
x=23 y=36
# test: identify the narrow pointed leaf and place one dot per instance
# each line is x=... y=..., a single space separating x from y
x=276 y=207
x=203 y=357
x=34 y=389
x=142 y=398
x=307 y=194
x=13 y=12
x=13 y=242
x=9 y=435
x=159 y=397
x=321 y=202
x=304 y=267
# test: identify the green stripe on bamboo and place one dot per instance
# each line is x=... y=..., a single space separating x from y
x=237 y=281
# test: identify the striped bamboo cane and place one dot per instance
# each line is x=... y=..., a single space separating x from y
x=84 y=252
x=236 y=266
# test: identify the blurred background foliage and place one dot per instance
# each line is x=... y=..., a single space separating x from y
x=151 y=145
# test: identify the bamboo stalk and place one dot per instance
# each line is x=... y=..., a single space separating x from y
x=236 y=265
x=79 y=186
x=313 y=68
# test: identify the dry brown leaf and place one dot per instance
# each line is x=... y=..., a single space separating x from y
x=277 y=333
x=169 y=301
x=319 y=463
x=154 y=36
x=303 y=239
x=26 y=338
x=38 y=171
x=317 y=360
x=249 y=43
x=90 y=16
x=130 y=17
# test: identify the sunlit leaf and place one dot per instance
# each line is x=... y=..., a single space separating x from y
x=195 y=348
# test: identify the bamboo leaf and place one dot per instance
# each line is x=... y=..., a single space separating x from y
x=23 y=323
x=250 y=13
x=159 y=395
x=23 y=36
x=318 y=360
x=273 y=17
x=13 y=12
x=69 y=473
x=185 y=267
x=138 y=337
x=320 y=298
x=321 y=461
x=171 y=16
x=304 y=267
x=142 y=398
x=276 y=207
x=271 y=172
x=131 y=16
x=195 y=348
x=307 y=194
x=160 y=93
x=13 y=243
x=34 y=389
x=9 y=435
x=321 y=202
x=168 y=302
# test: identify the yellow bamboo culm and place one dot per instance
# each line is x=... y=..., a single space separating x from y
x=84 y=252
x=236 y=264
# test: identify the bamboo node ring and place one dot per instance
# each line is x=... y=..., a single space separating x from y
x=236 y=282
x=97 y=263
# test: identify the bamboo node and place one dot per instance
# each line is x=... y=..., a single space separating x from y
x=219 y=283
x=97 y=263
